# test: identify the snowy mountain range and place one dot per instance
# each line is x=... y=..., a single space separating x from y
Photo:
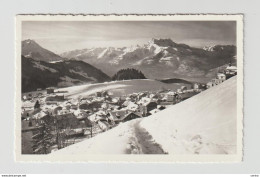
x=159 y=58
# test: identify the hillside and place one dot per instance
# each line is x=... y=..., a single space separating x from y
x=159 y=58
x=40 y=74
x=203 y=124
x=119 y=88
x=31 y=49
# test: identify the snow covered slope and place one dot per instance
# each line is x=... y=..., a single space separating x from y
x=203 y=124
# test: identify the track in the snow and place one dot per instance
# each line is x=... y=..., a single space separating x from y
x=142 y=142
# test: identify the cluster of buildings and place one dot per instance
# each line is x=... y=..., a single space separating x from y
x=96 y=113
x=229 y=72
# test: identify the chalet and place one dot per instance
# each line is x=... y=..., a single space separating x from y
x=150 y=106
x=183 y=88
x=39 y=115
x=40 y=95
x=51 y=109
x=55 y=110
x=105 y=105
x=72 y=133
x=28 y=114
x=84 y=104
x=131 y=116
x=29 y=96
x=142 y=95
x=133 y=96
x=210 y=84
x=67 y=121
x=126 y=103
x=50 y=90
x=108 y=123
x=24 y=97
x=230 y=71
x=120 y=100
x=144 y=100
x=197 y=86
x=216 y=81
x=221 y=76
x=67 y=105
x=98 y=94
x=187 y=94
x=132 y=107
x=102 y=94
x=117 y=115
x=203 y=87
x=28 y=105
x=115 y=100
x=64 y=111
x=93 y=106
x=105 y=94
x=80 y=114
x=54 y=99
x=73 y=106
x=145 y=108
x=103 y=126
x=123 y=116
x=179 y=90
x=108 y=98
x=170 y=96
x=98 y=99
x=98 y=116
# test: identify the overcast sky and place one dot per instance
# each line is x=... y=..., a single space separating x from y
x=65 y=36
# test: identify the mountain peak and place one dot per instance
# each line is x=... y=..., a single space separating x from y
x=164 y=42
x=32 y=49
x=29 y=41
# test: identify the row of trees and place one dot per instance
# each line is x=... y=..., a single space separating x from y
x=128 y=74
x=42 y=139
x=56 y=132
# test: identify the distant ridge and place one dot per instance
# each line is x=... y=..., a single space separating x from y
x=41 y=74
x=31 y=49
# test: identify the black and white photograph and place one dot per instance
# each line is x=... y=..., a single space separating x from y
x=162 y=88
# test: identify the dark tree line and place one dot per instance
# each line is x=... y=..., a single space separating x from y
x=128 y=74
x=42 y=139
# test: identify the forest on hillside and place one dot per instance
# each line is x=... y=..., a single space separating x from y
x=128 y=74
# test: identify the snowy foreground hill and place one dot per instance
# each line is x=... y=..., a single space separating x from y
x=203 y=124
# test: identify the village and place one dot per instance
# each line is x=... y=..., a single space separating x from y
x=72 y=120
